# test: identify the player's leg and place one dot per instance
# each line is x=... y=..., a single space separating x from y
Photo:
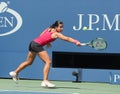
x=29 y=61
x=46 y=59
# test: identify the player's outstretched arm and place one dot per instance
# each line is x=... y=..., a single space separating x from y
x=66 y=38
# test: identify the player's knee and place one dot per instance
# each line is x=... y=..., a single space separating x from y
x=48 y=62
x=29 y=63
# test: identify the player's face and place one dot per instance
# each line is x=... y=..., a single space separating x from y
x=59 y=28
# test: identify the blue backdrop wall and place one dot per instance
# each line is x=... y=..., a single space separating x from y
x=22 y=21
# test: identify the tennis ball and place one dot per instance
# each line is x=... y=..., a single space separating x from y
x=85 y=28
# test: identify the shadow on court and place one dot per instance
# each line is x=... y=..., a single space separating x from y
x=57 y=87
x=67 y=88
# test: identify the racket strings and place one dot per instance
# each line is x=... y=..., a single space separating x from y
x=99 y=44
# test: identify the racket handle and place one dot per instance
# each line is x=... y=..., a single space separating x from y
x=83 y=44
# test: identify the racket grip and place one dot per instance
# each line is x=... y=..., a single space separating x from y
x=83 y=44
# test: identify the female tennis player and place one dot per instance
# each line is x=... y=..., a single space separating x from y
x=36 y=48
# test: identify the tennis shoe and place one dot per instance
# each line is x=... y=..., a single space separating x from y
x=14 y=76
x=47 y=84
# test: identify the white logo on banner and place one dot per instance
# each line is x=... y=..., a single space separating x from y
x=98 y=22
x=4 y=20
x=116 y=78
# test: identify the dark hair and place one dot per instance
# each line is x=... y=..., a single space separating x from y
x=55 y=24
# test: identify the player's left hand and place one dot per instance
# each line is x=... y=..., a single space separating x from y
x=48 y=45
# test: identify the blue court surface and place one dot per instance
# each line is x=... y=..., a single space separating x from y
x=28 y=92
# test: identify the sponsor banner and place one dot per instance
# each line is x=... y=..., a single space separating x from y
x=115 y=77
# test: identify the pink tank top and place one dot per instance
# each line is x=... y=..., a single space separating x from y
x=44 y=38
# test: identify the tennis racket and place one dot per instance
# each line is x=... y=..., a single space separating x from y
x=98 y=44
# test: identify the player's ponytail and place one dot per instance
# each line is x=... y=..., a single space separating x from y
x=55 y=24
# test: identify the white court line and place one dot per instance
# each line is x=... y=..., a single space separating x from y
x=35 y=92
